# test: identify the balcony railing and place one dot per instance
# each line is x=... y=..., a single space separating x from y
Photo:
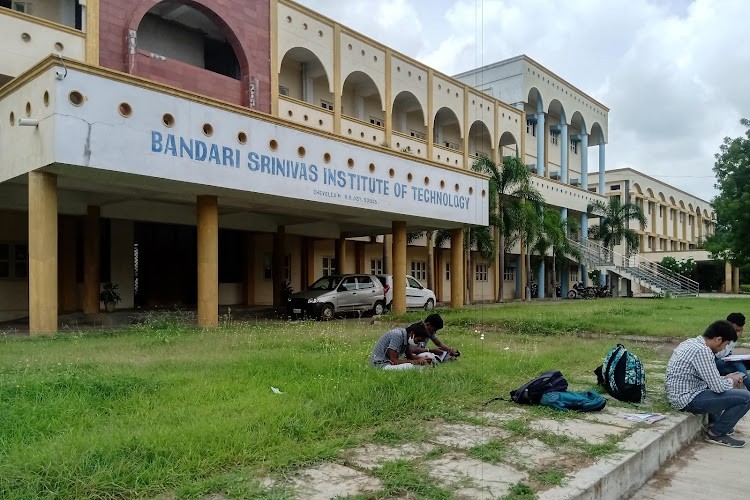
x=407 y=144
x=447 y=156
x=362 y=131
x=305 y=114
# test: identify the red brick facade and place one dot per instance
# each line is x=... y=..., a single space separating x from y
x=246 y=24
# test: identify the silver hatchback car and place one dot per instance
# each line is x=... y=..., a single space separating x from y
x=338 y=293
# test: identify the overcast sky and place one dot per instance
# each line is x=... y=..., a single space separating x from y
x=674 y=73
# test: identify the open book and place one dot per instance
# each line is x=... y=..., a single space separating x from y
x=737 y=357
x=441 y=357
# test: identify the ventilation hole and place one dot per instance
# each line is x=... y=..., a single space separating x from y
x=438 y=157
x=350 y=162
x=125 y=109
x=327 y=157
x=398 y=144
x=301 y=152
x=349 y=131
x=391 y=173
x=304 y=26
x=305 y=117
x=372 y=168
x=242 y=137
x=484 y=193
x=362 y=135
x=457 y=187
x=349 y=46
x=473 y=102
x=374 y=138
x=76 y=98
x=456 y=162
x=442 y=184
x=419 y=151
x=471 y=190
x=46 y=98
x=375 y=58
x=456 y=94
x=273 y=144
x=12 y=119
x=25 y=37
x=409 y=74
x=440 y=87
x=426 y=181
x=320 y=34
x=363 y=52
x=419 y=78
x=320 y=122
x=409 y=177
x=208 y=129
x=28 y=108
x=448 y=91
x=59 y=47
x=167 y=119
x=289 y=19
x=398 y=69
x=290 y=113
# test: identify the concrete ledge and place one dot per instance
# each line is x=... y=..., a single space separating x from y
x=620 y=476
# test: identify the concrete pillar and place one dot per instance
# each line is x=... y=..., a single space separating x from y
x=340 y=255
x=68 y=286
x=727 y=277
x=122 y=238
x=359 y=258
x=399 y=267
x=565 y=268
x=91 y=263
x=564 y=148
x=540 y=281
x=248 y=275
x=42 y=253
x=208 y=261
x=540 y=136
x=584 y=238
x=602 y=165
x=736 y=280
x=519 y=283
x=277 y=265
x=388 y=254
x=457 y=268
x=584 y=160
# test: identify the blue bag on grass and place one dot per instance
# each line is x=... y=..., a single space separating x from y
x=577 y=401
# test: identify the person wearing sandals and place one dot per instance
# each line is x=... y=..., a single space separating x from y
x=694 y=385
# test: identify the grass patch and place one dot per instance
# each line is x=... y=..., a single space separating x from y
x=520 y=491
x=549 y=475
x=401 y=477
x=518 y=426
x=494 y=451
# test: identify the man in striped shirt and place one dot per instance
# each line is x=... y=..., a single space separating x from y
x=390 y=347
x=694 y=385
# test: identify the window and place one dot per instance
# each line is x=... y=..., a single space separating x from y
x=447 y=271
x=376 y=121
x=480 y=273
x=531 y=127
x=412 y=283
x=650 y=207
x=376 y=266
x=451 y=145
x=419 y=269
x=592 y=189
x=661 y=211
x=575 y=273
x=364 y=282
x=326 y=105
x=329 y=266
x=615 y=197
x=682 y=218
x=22 y=6
x=283 y=90
x=555 y=138
x=509 y=274
x=614 y=187
x=267 y=266
x=418 y=134
x=671 y=214
x=14 y=260
x=574 y=147
x=650 y=242
x=349 y=284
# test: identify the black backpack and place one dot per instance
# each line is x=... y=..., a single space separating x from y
x=623 y=375
x=532 y=391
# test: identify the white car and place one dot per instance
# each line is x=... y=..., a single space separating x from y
x=417 y=296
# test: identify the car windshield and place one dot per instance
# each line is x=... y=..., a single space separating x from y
x=325 y=283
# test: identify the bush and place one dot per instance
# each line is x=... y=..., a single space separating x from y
x=745 y=288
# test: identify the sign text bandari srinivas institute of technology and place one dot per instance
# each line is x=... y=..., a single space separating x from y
x=326 y=181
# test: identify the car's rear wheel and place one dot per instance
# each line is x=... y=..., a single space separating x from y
x=378 y=308
x=429 y=304
x=326 y=313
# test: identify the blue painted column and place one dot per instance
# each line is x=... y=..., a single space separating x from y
x=584 y=161
x=540 y=279
x=602 y=165
x=540 y=143
x=565 y=271
x=564 y=147
x=584 y=237
x=519 y=286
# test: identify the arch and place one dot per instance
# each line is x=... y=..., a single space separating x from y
x=705 y=213
x=303 y=76
x=596 y=135
x=672 y=201
x=360 y=97
x=578 y=123
x=690 y=208
x=195 y=17
x=508 y=145
x=662 y=197
x=682 y=204
x=637 y=188
x=534 y=100
x=556 y=109
x=480 y=139
x=650 y=193
x=447 y=129
x=407 y=114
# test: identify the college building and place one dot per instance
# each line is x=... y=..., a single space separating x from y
x=202 y=154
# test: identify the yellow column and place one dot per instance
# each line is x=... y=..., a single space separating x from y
x=388 y=98
x=337 y=79
x=388 y=254
x=310 y=270
x=67 y=286
x=42 y=253
x=92 y=32
x=340 y=254
x=248 y=281
x=457 y=268
x=274 y=57
x=359 y=257
x=736 y=280
x=91 y=264
x=208 y=261
x=727 y=277
x=430 y=114
x=523 y=138
x=466 y=126
x=399 y=267
x=277 y=265
x=496 y=143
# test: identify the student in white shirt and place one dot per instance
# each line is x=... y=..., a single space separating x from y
x=726 y=367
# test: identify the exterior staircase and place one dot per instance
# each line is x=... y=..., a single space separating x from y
x=651 y=275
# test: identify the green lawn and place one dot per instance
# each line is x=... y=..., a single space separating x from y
x=166 y=408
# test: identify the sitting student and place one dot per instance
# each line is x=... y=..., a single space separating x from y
x=441 y=352
x=694 y=385
x=726 y=367
x=389 y=348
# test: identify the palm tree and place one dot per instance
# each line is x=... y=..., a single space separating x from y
x=554 y=236
x=614 y=219
x=510 y=190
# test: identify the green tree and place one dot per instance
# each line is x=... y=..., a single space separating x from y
x=554 y=236
x=685 y=267
x=732 y=205
x=614 y=218
x=514 y=205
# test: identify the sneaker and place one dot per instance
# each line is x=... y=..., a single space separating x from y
x=724 y=441
x=730 y=433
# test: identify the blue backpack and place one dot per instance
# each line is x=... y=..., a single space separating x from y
x=623 y=375
x=577 y=401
